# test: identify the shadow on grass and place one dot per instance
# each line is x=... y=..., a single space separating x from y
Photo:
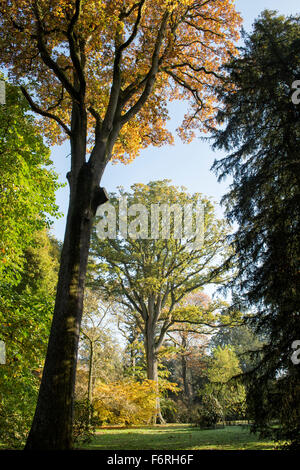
x=178 y=437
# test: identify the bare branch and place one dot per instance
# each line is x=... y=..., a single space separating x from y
x=195 y=69
x=203 y=30
x=184 y=84
x=50 y=108
x=126 y=14
x=40 y=111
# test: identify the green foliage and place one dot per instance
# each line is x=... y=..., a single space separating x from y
x=28 y=263
x=25 y=318
x=245 y=342
x=18 y=395
x=25 y=323
x=276 y=406
x=262 y=132
x=229 y=393
x=224 y=365
x=83 y=429
x=182 y=412
x=27 y=184
x=169 y=409
x=208 y=414
x=287 y=399
x=151 y=262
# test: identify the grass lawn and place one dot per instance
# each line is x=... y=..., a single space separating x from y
x=178 y=437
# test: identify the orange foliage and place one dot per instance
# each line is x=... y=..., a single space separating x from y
x=194 y=37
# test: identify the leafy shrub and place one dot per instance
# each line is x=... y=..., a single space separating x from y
x=208 y=413
x=168 y=409
x=125 y=403
x=15 y=422
x=183 y=411
x=83 y=429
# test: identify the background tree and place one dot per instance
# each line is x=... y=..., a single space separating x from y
x=186 y=362
x=134 y=353
x=229 y=393
x=245 y=342
x=189 y=340
x=25 y=318
x=151 y=277
x=97 y=349
x=27 y=184
x=261 y=133
x=29 y=260
x=110 y=67
x=188 y=343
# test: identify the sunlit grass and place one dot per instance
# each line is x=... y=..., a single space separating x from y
x=178 y=437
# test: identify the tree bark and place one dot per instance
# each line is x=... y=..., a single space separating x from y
x=152 y=367
x=52 y=424
x=90 y=379
x=184 y=368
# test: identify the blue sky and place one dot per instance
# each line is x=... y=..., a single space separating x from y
x=187 y=165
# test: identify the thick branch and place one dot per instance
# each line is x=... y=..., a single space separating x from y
x=46 y=57
x=116 y=83
x=151 y=75
x=74 y=53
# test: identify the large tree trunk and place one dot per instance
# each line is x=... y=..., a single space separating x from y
x=52 y=424
x=152 y=367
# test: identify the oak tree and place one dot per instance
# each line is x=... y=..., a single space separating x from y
x=152 y=277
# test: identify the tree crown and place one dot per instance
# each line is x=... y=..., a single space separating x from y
x=119 y=60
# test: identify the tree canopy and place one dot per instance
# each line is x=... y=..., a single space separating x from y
x=148 y=274
x=25 y=318
x=152 y=276
x=124 y=60
x=27 y=184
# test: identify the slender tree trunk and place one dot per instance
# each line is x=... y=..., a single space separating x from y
x=152 y=367
x=186 y=385
x=91 y=363
x=90 y=379
x=133 y=361
x=52 y=424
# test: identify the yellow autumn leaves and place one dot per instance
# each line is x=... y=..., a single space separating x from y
x=198 y=38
